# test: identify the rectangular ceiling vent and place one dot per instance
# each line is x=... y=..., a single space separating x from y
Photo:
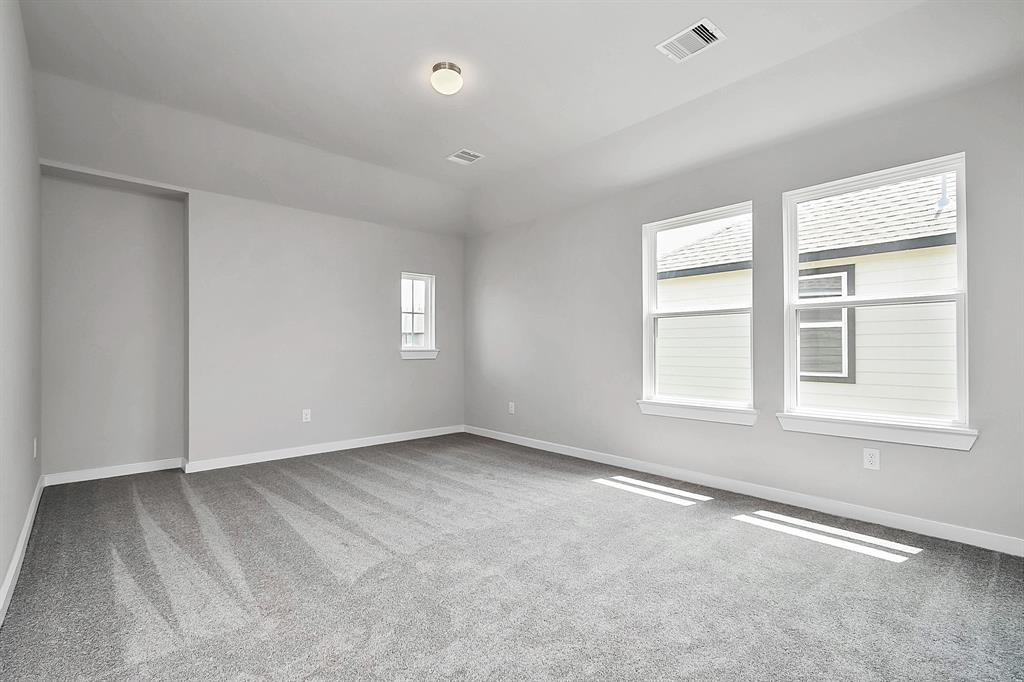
x=685 y=44
x=465 y=157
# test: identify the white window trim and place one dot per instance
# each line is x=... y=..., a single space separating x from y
x=954 y=434
x=879 y=429
x=666 y=406
x=419 y=354
x=710 y=412
x=429 y=350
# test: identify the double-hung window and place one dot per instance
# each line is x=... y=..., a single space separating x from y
x=900 y=372
x=697 y=316
x=418 y=316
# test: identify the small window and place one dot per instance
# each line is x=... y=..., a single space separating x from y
x=827 y=347
x=418 y=315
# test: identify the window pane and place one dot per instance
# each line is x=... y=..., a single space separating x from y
x=419 y=295
x=817 y=287
x=406 y=323
x=900 y=236
x=833 y=315
x=413 y=340
x=905 y=364
x=821 y=349
x=406 y=295
x=417 y=323
x=705 y=358
x=706 y=265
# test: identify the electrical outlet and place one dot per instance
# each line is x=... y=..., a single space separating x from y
x=511 y=407
x=307 y=415
x=872 y=459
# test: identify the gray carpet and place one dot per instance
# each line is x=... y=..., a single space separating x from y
x=464 y=558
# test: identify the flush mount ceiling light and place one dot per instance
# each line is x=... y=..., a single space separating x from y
x=446 y=78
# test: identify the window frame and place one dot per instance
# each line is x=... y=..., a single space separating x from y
x=848 y=325
x=428 y=351
x=666 y=406
x=955 y=433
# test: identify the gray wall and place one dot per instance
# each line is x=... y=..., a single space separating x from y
x=290 y=309
x=113 y=321
x=19 y=284
x=554 y=308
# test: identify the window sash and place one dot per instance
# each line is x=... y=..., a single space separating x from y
x=794 y=304
x=699 y=312
x=659 y=395
x=417 y=324
x=832 y=302
x=901 y=388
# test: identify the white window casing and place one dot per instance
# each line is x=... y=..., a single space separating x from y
x=953 y=433
x=652 y=403
x=417 y=317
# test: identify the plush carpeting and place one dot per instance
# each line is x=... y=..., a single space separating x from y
x=465 y=558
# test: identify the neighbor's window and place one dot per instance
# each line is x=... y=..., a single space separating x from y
x=826 y=336
x=417 y=312
x=697 y=308
x=901 y=231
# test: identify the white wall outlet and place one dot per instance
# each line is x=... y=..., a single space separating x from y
x=872 y=459
x=307 y=415
x=35 y=447
x=511 y=407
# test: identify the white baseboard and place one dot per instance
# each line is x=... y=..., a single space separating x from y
x=317 y=448
x=112 y=471
x=14 y=567
x=946 y=531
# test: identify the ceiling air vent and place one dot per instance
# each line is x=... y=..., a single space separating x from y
x=465 y=157
x=685 y=44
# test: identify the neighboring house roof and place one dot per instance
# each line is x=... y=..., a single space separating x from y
x=903 y=215
x=730 y=246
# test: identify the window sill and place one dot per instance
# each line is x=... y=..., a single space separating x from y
x=744 y=416
x=419 y=353
x=950 y=437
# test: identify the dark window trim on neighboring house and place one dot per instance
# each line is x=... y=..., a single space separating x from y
x=886 y=247
x=850 y=326
x=845 y=252
x=707 y=270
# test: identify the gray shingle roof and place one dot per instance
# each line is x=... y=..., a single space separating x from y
x=905 y=210
x=731 y=244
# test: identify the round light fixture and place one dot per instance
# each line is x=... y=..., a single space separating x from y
x=446 y=78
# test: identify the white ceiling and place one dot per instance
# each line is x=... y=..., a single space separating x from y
x=542 y=78
x=548 y=84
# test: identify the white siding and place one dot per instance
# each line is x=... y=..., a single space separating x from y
x=718 y=290
x=706 y=357
x=905 y=364
x=900 y=272
x=905 y=355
